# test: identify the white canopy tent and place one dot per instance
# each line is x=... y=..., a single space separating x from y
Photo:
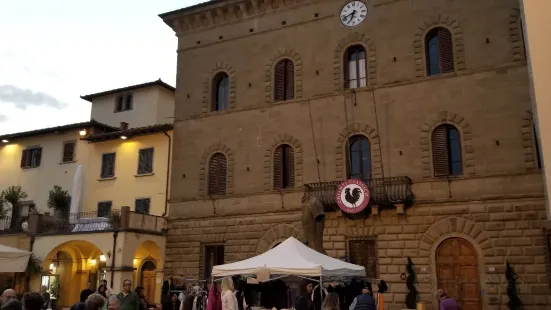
x=13 y=260
x=291 y=257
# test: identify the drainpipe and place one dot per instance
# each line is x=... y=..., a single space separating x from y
x=27 y=276
x=115 y=234
x=167 y=172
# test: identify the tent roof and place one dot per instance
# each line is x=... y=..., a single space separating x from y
x=291 y=257
x=8 y=249
x=12 y=259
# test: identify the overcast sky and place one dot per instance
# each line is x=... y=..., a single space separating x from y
x=54 y=51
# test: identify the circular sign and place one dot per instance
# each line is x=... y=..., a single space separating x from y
x=352 y=196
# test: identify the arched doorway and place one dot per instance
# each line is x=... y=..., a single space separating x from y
x=457 y=272
x=148 y=279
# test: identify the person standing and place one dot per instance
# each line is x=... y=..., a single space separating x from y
x=445 y=301
x=229 y=301
x=365 y=301
x=108 y=290
x=331 y=302
x=129 y=300
x=32 y=301
x=7 y=295
x=303 y=301
x=86 y=292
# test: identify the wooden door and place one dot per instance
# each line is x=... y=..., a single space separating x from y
x=148 y=283
x=457 y=272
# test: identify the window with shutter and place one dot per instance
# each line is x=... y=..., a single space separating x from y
x=104 y=208
x=221 y=92
x=284 y=80
x=355 y=67
x=31 y=157
x=145 y=161
x=284 y=167
x=119 y=100
x=128 y=102
x=142 y=205
x=359 y=158
x=364 y=253
x=213 y=255
x=446 y=151
x=68 y=152
x=108 y=165
x=218 y=169
x=439 y=51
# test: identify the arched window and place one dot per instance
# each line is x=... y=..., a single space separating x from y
x=221 y=92
x=284 y=167
x=446 y=151
x=355 y=67
x=439 y=51
x=218 y=170
x=284 y=80
x=359 y=151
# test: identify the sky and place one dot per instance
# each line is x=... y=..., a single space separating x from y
x=54 y=51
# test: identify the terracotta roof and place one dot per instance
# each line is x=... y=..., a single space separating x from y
x=129 y=133
x=191 y=8
x=58 y=129
x=158 y=82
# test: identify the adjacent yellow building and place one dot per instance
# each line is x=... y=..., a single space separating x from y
x=116 y=168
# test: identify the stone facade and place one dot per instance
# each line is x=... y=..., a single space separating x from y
x=497 y=205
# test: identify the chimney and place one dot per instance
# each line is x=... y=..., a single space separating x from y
x=124 y=125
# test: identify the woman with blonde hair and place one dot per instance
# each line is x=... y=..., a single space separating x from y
x=229 y=301
x=331 y=302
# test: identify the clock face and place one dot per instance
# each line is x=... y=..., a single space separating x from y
x=353 y=13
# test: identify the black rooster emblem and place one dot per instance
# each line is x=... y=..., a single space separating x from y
x=354 y=197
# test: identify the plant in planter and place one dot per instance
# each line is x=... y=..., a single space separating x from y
x=514 y=301
x=60 y=201
x=413 y=295
x=14 y=195
x=115 y=220
x=34 y=267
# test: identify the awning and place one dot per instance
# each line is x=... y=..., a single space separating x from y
x=13 y=260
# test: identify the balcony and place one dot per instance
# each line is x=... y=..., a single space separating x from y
x=7 y=227
x=385 y=192
x=87 y=222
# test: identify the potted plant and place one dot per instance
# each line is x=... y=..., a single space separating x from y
x=14 y=195
x=34 y=267
x=413 y=295
x=60 y=201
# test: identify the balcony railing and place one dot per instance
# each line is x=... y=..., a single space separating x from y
x=84 y=222
x=384 y=192
x=6 y=225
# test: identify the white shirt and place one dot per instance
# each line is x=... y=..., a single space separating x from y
x=229 y=301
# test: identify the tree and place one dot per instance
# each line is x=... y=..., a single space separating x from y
x=413 y=294
x=14 y=195
x=60 y=201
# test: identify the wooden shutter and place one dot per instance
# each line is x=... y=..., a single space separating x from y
x=24 y=157
x=440 y=156
x=138 y=206
x=289 y=80
x=141 y=161
x=346 y=72
x=445 y=48
x=37 y=157
x=290 y=165
x=279 y=81
x=218 y=169
x=149 y=160
x=278 y=167
x=111 y=161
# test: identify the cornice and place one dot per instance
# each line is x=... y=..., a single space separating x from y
x=218 y=13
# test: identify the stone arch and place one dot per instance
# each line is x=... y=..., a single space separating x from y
x=455 y=227
x=340 y=150
x=419 y=42
x=207 y=85
x=276 y=234
x=530 y=156
x=516 y=36
x=353 y=39
x=462 y=125
x=268 y=159
x=216 y=148
x=269 y=72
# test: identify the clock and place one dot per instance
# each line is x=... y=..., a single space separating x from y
x=353 y=13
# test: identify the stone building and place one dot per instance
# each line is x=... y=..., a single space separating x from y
x=427 y=101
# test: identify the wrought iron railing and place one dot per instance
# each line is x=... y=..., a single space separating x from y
x=384 y=191
x=9 y=226
x=80 y=222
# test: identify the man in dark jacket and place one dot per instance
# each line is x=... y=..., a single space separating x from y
x=365 y=301
x=86 y=292
x=129 y=300
x=303 y=301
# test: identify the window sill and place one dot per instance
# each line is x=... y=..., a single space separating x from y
x=144 y=175
x=67 y=162
x=29 y=168
x=107 y=179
